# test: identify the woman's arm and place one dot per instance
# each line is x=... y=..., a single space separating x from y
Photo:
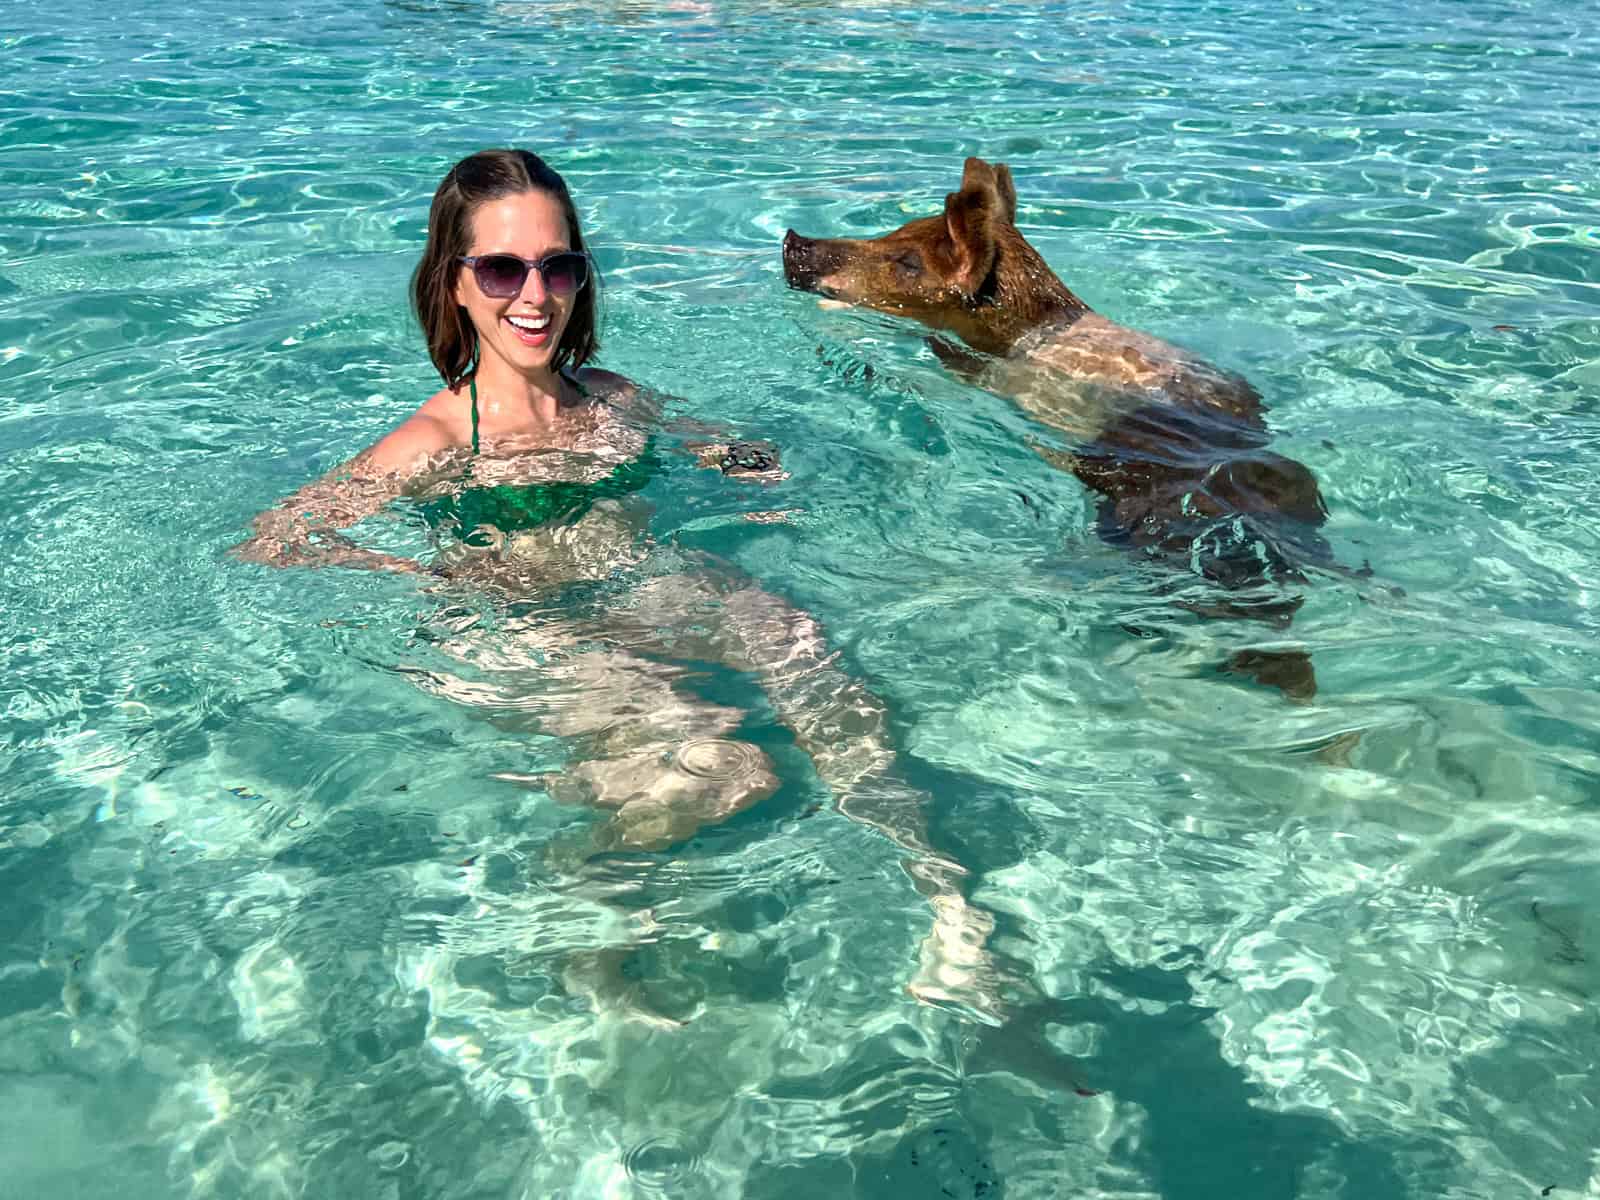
x=302 y=530
x=747 y=459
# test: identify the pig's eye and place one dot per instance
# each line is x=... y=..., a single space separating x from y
x=910 y=262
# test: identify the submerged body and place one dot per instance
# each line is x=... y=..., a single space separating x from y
x=1175 y=447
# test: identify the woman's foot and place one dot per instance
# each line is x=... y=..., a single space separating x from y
x=956 y=970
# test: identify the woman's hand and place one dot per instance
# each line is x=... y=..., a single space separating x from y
x=747 y=460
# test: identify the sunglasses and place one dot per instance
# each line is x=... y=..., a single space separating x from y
x=501 y=276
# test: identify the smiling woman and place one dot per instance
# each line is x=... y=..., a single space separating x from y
x=505 y=294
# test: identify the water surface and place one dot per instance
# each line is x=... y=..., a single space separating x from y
x=287 y=918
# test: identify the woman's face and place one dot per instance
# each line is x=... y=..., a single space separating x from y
x=523 y=330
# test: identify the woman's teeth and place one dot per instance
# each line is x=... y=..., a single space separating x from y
x=531 y=324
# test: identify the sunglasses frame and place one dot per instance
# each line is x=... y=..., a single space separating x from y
x=530 y=265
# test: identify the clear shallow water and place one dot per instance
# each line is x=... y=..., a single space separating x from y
x=280 y=921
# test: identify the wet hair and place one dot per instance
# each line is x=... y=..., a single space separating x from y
x=477 y=180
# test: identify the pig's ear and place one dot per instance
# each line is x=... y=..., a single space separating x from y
x=1007 y=191
x=971 y=218
x=977 y=174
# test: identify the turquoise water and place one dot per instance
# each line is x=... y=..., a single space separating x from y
x=285 y=913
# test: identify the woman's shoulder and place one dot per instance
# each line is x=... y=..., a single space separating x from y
x=439 y=424
x=605 y=385
x=620 y=393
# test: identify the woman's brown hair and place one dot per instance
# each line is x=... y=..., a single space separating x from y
x=474 y=181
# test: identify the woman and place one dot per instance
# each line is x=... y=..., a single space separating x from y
x=505 y=294
x=526 y=462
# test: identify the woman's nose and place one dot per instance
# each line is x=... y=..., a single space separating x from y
x=533 y=288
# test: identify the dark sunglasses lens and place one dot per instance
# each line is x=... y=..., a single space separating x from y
x=565 y=273
x=500 y=275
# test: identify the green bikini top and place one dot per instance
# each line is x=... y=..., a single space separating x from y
x=511 y=507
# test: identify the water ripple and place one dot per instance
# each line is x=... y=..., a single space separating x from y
x=283 y=859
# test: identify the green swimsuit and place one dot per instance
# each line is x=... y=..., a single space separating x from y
x=510 y=507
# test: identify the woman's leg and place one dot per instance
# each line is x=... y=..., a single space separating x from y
x=844 y=728
x=643 y=745
x=663 y=761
